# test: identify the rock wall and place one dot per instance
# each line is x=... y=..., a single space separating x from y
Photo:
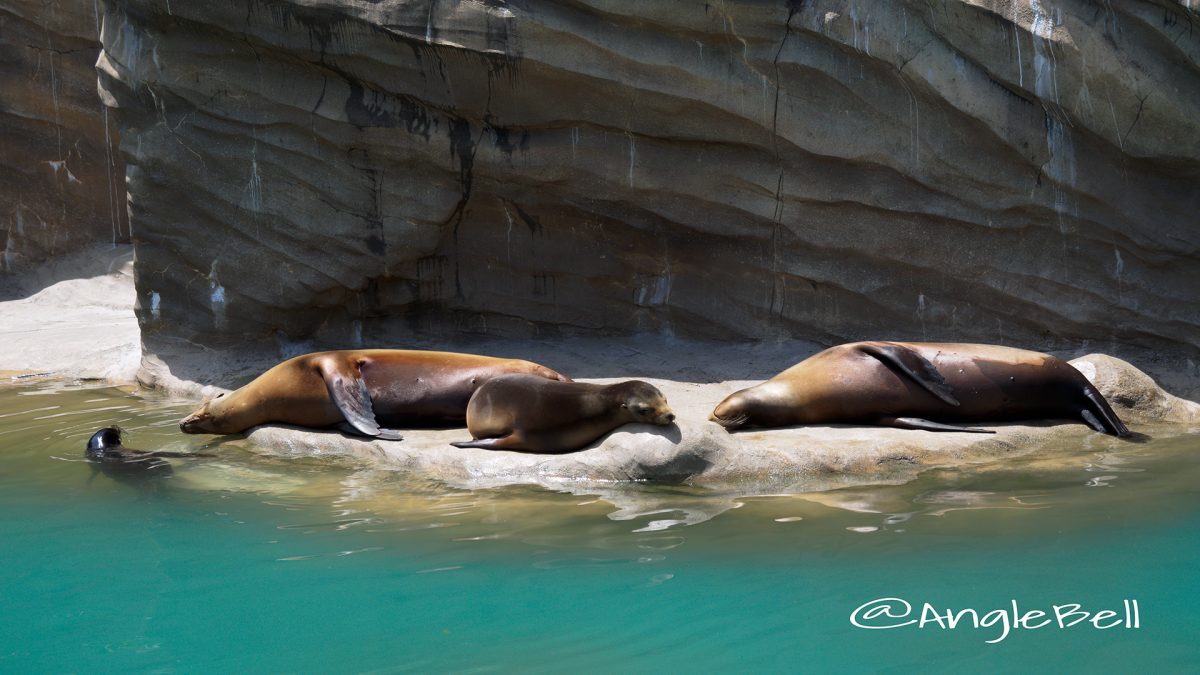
x=348 y=171
x=62 y=181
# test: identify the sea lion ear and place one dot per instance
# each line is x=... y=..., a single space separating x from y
x=624 y=404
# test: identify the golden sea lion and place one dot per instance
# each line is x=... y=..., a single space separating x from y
x=913 y=385
x=362 y=390
x=520 y=412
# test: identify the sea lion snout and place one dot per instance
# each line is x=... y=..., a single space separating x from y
x=196 y=423
x=650 y=414
x=203 y=420
x=730 y=413
x=663 y=417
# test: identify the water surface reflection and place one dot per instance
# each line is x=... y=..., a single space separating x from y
x=43 y=428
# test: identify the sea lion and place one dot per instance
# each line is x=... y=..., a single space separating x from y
x=104 y=449
x=921 y=386
x=361 y=390
x=520 y=412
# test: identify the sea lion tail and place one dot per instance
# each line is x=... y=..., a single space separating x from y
x=1100 y=416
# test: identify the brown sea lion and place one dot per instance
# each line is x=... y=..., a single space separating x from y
x=914 y=385
x=361 y=390
x=520 y=412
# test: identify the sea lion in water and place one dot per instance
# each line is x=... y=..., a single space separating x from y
x=519 y=412
x=912 y=385
x=361 y=390
x=104 y=449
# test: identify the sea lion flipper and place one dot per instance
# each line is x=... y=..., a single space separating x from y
x=349 y=393
x=1092 y=421
x=910 y=363
x=383 y=435
x=928 y=425
x=1101 y=416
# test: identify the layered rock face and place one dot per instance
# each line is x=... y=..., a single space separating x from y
x=62 y=181
x=347 y=171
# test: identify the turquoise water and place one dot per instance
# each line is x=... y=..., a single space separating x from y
x=247 y=563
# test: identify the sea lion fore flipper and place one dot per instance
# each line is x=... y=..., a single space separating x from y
x=348 y=390
x=383 y=435
x=927 y=425
x=909 y=363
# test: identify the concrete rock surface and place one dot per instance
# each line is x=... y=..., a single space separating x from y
x=364 y=173
x=74 y=320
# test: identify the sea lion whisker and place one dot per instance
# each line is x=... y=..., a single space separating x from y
x=732 y=422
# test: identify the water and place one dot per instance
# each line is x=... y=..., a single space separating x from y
x=246 y=563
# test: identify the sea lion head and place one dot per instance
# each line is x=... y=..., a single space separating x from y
x=645 y=403
x=212 y=417
x=106 y=438
x=734 y=411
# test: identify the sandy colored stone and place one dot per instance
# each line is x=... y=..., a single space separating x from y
x=74 y=319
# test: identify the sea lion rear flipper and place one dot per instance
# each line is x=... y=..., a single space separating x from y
x=1101 y=416
x=911 y=364
x=927 y=425
x=1092 y=421
x=349 y=393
